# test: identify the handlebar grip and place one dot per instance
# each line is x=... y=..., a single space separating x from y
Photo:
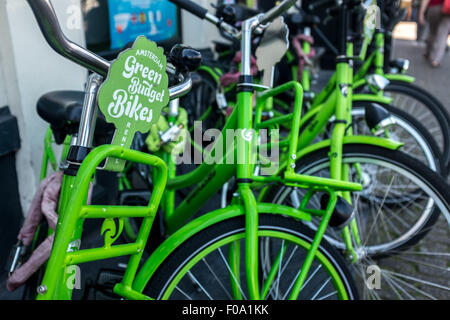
x=192 y=7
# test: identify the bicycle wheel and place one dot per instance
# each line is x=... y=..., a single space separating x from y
x=407 y=267
x=201 y=103
x=400 y=201
x=418 y=142
x=418 y=273
x=201 y=269
x=426 y=109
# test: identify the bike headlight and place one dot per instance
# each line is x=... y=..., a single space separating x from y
x=399 y=65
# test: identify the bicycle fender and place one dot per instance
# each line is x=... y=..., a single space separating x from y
x=199 y=224
x=399 y=77
x=370 y=140
x=371 y=98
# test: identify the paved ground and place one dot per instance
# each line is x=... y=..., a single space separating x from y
x=436 y=81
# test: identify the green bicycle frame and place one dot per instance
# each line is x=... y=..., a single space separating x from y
x=209 y=178
x=376 y=60
x=74 y=191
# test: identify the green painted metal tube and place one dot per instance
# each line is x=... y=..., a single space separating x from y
x=251 y=241
x=400 y=78
x=203 y=222
x=88 y=255
x=99 y=211
x=311 y=181
x=69 y=217
x=379 y=55
x=314 y=246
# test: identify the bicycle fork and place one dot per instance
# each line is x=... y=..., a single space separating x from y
x=338 y=169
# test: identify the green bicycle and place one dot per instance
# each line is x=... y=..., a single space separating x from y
x=402 y=127
x=213 y=242
x=409 y=213
x=246 y=221
x=316 y=120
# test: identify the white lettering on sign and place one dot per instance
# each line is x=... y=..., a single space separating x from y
x=146 y=89
x=129 y=106
x=143 y=81
x=132 y=67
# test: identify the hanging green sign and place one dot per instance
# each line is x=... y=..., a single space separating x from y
x=134 y=93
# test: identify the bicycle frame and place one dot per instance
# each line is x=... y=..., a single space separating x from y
x=376 y=59
x=210 y=178
x=49 y=156
x=73 y=209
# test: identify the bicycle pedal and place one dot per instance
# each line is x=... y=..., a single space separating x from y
x=134 y=197
x=105 y=282
x=343 y=211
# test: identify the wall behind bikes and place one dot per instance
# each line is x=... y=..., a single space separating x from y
x=30 y=68
x=199 y=33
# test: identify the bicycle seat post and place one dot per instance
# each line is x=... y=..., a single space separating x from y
x=82 y=145
x=89 y=114
x=246 y=44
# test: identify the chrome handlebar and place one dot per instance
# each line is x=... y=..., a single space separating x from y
x=50 y=28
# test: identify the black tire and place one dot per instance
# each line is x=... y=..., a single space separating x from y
x=438 y=189
x=439 y=112
x=423 y=134
x=202 y=96
x=179 y=257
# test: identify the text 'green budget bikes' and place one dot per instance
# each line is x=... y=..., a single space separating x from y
x=402 y=208
x=228 y=237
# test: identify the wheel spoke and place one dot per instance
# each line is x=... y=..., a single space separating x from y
x=304 y=284
x=320 y=289
x=199 y=285
x=218 y=280
x=232 y=273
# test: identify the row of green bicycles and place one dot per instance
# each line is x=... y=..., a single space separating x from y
x=251 y=184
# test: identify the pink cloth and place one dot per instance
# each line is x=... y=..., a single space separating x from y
x=44 y=203
x=233 y=77
x=302 y=57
